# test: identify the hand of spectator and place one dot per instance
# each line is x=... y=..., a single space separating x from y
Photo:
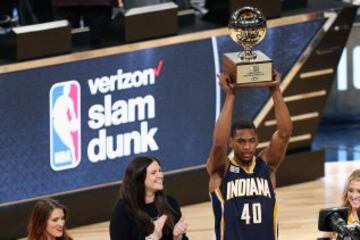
x=180 y=228
x=158 y=227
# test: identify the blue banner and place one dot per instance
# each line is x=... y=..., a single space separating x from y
x=78 y=124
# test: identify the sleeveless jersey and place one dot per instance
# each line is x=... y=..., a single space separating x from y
x=244 y=205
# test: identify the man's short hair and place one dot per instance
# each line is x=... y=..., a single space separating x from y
x=241 y=124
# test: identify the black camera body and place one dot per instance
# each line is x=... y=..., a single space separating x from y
x=335 y=220
x=326 y=215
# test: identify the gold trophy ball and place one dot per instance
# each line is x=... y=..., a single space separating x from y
x=247 y=27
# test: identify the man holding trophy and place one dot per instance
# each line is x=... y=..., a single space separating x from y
x=242 y=184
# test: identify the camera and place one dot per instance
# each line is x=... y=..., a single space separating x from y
x=335 y=220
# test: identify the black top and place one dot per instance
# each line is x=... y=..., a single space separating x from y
x=123 y=226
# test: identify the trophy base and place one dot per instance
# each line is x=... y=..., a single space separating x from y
x=249 y=73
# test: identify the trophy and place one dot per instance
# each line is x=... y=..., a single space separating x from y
x=247 y=27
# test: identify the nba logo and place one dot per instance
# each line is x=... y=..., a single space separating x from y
x=65 y=135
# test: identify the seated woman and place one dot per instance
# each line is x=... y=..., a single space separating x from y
x=47 y=221
x=143 y=210
x=351 y=200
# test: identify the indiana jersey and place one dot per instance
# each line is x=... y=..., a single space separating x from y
x=244 y=205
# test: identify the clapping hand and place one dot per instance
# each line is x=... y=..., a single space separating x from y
x=158 y=227
x=180 y=228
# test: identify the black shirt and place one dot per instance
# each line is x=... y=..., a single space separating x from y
x=123 y=227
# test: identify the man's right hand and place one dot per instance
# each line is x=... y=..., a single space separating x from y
x=226 y=83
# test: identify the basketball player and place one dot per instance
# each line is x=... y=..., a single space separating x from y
x=242 y=186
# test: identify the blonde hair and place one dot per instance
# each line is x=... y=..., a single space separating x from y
x=354 y=176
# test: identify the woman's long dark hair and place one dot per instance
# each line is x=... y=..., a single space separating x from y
x=39 y=217
x=132 y=192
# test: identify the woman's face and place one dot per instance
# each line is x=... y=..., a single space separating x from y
x=55 y=223
x=154 y=178
x=353 y=194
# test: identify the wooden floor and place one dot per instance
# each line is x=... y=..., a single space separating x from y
x=298 y=208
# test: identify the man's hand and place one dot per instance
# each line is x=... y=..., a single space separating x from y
x=226 y=84
x=276 y=80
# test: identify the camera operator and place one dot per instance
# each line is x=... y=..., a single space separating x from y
x=351 y=200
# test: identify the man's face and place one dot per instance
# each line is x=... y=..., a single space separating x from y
x=244 y=144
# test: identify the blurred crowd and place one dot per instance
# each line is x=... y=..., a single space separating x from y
x=95 y=14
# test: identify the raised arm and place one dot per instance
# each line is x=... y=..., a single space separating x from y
x=276 y=150
x=217 y=161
